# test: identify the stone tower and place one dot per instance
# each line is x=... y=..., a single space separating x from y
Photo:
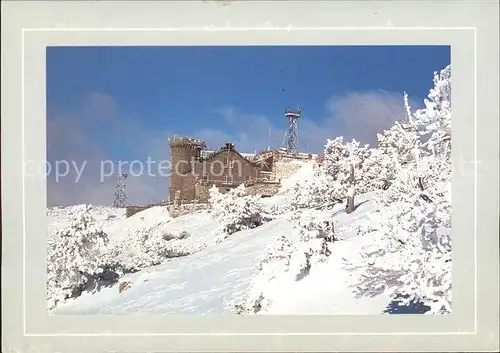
x=184 y=153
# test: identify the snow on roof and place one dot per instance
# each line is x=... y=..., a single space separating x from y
x=247 y=155
x=205 y=154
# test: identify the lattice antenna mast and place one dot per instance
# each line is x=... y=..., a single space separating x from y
x=120 y=194
x=292 y=134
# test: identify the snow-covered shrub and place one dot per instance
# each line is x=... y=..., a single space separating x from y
x=235 y=210
x=279 y=253
x=75 y=255
x=313 y=193
x=146 y=246
x=412 y=254
x=250 y=305
x=277 y=209
x=316 y=235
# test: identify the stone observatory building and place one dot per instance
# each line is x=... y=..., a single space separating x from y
x=195 y=170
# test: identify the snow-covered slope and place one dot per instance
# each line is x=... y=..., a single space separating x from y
x=305 y=172
x=327 y=289
x=196 y=284
x=205 y=281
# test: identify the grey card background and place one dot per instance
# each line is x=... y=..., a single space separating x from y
x=471 y=28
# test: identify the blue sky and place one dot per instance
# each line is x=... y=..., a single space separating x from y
x=122 y=103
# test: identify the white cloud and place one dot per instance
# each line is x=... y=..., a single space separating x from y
x=363 y=115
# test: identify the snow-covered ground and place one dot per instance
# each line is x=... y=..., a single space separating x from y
x=207 y=279
x=305 y=171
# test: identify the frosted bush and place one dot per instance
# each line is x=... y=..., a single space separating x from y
x=316 y=234
x=314 y=193
x=277 y=210
x=235 y=211
x=146 y=246
x=75 y=255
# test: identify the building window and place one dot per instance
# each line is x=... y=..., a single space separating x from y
x=225 y=161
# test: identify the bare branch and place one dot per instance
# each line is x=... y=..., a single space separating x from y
x=420 y=184
x=425 y=198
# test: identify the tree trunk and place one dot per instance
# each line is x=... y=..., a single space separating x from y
x=350 y=196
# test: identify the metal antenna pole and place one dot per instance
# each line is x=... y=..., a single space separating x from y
x=269 y=142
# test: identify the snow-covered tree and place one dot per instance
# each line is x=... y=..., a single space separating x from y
x=75 y=255
x=351 y=166
x=412 y=254
x=347 y=169
x=235 y=210
x=120 y=194
x=336 y=166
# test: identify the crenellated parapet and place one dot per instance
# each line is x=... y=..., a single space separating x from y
x=186 y=142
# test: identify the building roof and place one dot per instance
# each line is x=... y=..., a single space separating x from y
x=207 y=154
x=212 y=154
